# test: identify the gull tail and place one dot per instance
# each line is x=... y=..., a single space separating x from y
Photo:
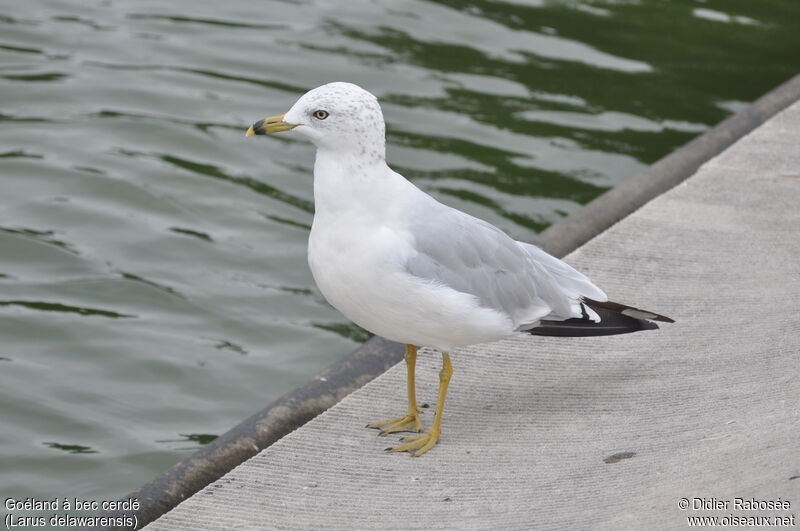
x=615 y=318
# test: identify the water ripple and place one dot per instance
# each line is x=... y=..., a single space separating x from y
x=43 y=76
x=83 y=21
x=210 y=170
x=182 y=19
x=278 y=85
x=20 y=154
x=347 y=330
x=162 y=287
x=195 y=234
x=20 y=49
x=71 y=448
x=10 y=118
x=201 y=126
x=65 y=308
x=44 y=236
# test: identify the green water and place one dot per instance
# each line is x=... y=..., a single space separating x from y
x=153 y=283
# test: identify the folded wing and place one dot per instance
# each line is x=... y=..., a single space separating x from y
x=519 y=280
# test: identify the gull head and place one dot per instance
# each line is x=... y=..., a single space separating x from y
x=338 y=116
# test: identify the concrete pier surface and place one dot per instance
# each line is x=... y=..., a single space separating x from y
x=609 y=432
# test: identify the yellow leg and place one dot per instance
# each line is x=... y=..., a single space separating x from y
x=411 y=422
x=419 y=444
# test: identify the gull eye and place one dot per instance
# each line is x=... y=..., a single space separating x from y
x=320 y=114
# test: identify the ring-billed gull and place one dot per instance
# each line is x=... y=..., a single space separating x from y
x=402 y=265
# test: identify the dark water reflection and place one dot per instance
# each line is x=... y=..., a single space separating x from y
x=153 y=286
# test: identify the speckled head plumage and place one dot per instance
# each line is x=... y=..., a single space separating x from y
x=340 y=116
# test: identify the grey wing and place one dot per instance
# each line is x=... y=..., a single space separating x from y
x=571 y=283
x=474 y=257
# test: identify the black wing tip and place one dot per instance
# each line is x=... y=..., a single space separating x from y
x=576 y=327
x=620 y=308
x=615 y=318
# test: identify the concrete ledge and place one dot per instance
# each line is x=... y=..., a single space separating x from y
x=372 y=359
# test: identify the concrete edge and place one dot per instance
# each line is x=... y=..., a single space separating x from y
x=377 y=355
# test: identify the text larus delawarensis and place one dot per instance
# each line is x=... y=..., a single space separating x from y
x=402 y=265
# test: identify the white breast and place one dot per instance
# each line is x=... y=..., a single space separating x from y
x=357 y=255
x=358 y=262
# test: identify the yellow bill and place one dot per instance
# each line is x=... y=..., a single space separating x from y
x=273 y=124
